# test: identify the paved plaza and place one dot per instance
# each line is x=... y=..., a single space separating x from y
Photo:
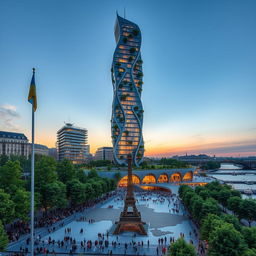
x=164 y=215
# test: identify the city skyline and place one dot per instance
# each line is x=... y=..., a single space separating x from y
x=199 y=71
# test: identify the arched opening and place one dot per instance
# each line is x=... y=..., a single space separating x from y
x=150 y=178
x=156 y=188
x=176 y=177
x=123 y=182
x=188 y=176
x=163 y=178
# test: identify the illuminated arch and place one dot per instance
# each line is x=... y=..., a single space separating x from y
x=150 y=178
x=163 y=178
x=123 y=182
x=188 y=176
x=175 y=177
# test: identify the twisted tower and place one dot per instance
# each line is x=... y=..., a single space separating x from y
x=127 y=110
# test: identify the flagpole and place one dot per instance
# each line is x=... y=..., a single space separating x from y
x=32 y=181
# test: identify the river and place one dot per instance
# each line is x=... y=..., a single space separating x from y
x=231 y=174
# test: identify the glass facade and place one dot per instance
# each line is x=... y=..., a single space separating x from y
x=127 y=110
x=71 y=143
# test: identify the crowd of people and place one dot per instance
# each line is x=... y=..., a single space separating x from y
x=104 y=243
x=43 y=219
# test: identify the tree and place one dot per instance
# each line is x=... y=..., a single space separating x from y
x=250 y=236
x=232 y=220
x=76 y=191
x=250 y=252
x=233 y=204
x=210 y=206
x=21 y=201
x=45 y=172
x=88 y=190
x=80 y=175
x=226 y=241
x=224 y=195
x=93 y=174
x=3 y=159
x=188 y=196
x=10 y=176
x=182 y=248
x=205 y=194
x=53 y=195
x=196 y=206
x=209 y=223
x=3 y=238
x=6 y=207
x=248 y=210
x=65 y=170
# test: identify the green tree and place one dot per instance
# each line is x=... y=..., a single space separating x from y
x=248 y=210
x=232 y=220
x=65 y=170
x=45 y=172
x=3 y=238
x=197 y=205
x=250 y=252
x=226 y=241
x=233 y=204
x=250 y=236
x=7 y=209
x=88 y=190
x=224 y=195
x=3 y=160
x=93 y=174
x=210 y=206
x=53 y=195
x=10 y=176
x=76 y=191
x=209 y=223
x=21 y=201
x=182 y=248
x=80 y=175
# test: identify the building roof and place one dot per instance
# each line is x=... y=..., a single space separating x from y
x=40 y=146
x=13 y=135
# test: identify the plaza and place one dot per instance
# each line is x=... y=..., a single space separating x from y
x=89 y=231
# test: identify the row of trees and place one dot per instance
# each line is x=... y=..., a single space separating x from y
x=224 y=233
x=57 y=185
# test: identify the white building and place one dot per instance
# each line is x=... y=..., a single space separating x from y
x=12 y=143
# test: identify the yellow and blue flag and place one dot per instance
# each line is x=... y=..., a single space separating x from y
x=32 y=92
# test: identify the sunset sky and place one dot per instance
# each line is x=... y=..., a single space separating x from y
x=199 y=71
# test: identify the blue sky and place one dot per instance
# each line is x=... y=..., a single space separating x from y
x=199 y=71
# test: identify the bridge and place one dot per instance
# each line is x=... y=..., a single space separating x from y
x=154 y=176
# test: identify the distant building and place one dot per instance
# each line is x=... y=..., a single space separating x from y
x=40 y=149
x=104 y=153
x=53 y=153
x=72 y=143
x=12 y=143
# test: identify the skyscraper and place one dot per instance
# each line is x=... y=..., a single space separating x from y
x=127 y=110
x=72 y=143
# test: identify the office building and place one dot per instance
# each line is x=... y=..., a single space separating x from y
x=72 y=143
x=127 y=110
x=104 y=153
